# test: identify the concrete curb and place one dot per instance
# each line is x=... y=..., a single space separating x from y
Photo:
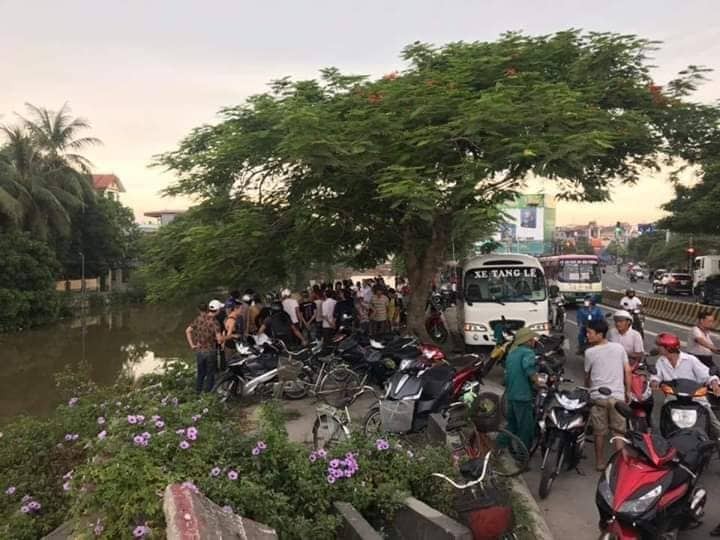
x=541 y=529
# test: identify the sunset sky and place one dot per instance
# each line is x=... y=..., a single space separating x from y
x=146 y=72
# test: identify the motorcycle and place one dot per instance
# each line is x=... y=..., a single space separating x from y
x=557 y=313
x=254 y=370
x=638 y=322
x=650 y=489
x=435 y=322
x=641 y=397
x=563 y=433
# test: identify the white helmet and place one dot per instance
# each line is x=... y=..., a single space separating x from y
x=247 y=298
x=285 y=293
x=215 y=305
x=622 y=314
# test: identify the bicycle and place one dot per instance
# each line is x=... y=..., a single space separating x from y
x=335 y=421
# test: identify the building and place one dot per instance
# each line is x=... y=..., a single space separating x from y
x=164 y=217
x=108 y=185
x=529 y=225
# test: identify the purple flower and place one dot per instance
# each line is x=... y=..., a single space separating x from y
x=34 y=506
x=102 y=434
x=184 y=445
x=313 y=457
x=196 y=417
x=348 y=473
x=215 y=471
x=139 y=440
x=66 y=486
x=337 y=473
x=192 y=432
x=192 y=487
x=145 y=435
x=25 y=509
x=232 y=475
x=261 y=445
x=227 y=509
x=256 y=451
x=101 y=420
x=132 y=419
x=335 y=463
x=330 y=479
x=322 y=453
x=68 y=436
x=159 y=424
x=140 y=418
x=155 y=418
x=11 y=490
x=73 y=402
x=382 y=444
x=26 y=498
x=141 y=531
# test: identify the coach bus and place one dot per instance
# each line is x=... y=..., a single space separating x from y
x=576 y=276
x=502 y=285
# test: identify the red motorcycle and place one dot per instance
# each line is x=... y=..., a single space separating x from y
x=650 y=489
x=641 y=397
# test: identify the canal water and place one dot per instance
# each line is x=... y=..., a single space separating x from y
x=134 y=339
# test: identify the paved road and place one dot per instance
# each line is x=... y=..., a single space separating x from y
x=618 y=282
x=570 y=509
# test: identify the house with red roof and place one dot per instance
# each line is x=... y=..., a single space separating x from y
x=108 y=185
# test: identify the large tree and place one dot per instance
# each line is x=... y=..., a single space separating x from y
x=367 y=168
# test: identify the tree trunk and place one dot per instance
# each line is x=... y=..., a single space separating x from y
x=423 y=259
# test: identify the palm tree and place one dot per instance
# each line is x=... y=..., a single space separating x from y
x=34 y=193
x=56 y=135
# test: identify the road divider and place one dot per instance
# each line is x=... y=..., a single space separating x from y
x=684 y=313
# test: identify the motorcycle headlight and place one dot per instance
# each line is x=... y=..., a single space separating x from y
x=605 y=492
x=642 y=504
x=475 y=327
x=684 y=418
x=569 y=404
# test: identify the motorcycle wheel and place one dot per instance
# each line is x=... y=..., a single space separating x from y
x=372 y=424
x=226 y=389
x=438 y=333
x=552 y=465
x=294 y=390
x=327 y=432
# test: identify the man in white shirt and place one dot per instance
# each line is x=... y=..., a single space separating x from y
x=700 y=343
x=367 y=292
x=328 y=314
x=606 y=365
x=673 y=365
x=291 y=306
x=630 y=302
x=623 y=333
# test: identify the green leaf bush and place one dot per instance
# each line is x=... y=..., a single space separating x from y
x=106 y=457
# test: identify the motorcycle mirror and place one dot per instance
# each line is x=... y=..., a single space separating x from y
x=605 y=391
x=624 y=409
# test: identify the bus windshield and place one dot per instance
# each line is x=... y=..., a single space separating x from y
x=579 y=272
x=504 y=284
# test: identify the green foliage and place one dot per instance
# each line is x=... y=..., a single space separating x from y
x=27 y=287
x=616 y=249
x=121 y=483
x=653 y=249
x=364 y=169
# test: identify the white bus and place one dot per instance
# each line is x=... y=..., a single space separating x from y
x=509 y=285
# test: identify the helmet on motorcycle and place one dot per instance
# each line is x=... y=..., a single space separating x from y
x=621 y=314
x=285 y=293
x=669 y=342
x=630 y=293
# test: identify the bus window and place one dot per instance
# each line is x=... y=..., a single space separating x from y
x=579 y=272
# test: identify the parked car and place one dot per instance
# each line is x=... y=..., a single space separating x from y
x=676 y=283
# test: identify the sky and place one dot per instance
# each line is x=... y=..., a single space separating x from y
x=144 y=73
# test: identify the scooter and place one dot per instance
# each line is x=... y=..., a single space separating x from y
x=641 y=397
x=557 y=313
x=638 y=322
x=435 y=322
x=650 y=489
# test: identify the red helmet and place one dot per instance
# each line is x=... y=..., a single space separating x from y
x=668 y=341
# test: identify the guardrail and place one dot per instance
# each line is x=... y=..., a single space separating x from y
x=664 y=308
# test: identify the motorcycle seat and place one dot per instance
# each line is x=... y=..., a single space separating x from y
x=435 y=381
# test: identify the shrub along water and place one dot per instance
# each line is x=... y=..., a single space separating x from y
x=106 y=456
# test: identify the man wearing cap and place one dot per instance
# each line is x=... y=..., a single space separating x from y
x=625 y=335
x=203 y=336
x=520 y=373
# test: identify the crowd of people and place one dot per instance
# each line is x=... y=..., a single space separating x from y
x=318 y=312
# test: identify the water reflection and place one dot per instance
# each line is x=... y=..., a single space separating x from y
x=133 y=339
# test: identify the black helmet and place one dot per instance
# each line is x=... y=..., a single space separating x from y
x=276 y=306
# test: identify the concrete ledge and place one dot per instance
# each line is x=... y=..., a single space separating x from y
x=192 y=516
x=354 y=526
x=418 y=521
x=541 y=530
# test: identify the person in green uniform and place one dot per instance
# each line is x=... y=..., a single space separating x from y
x=520 y=374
